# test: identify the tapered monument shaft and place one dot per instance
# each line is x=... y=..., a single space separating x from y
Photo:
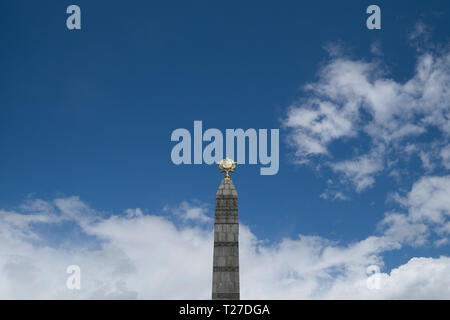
x=225 y=283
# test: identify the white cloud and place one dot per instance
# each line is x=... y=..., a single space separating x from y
x=191 y=212
x=445 y=155
x=429 y=200
x=139 y=256
x=428 y=205
x=356 y=99
x=426 y=160
x=420 y=278
x=360 y=171
x=149 y=257
x=399 y=227
x=334 y=195
x=313 y=134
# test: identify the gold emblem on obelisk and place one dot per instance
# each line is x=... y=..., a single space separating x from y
x=227 y=165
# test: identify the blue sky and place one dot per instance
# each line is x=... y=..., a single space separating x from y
x=89 y=114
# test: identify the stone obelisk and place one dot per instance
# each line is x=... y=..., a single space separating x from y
x=225 y=281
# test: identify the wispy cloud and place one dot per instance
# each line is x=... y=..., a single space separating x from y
x=191 y=211
x=356 y=100
x=428 y=206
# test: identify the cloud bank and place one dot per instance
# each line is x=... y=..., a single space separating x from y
x=148 y=256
